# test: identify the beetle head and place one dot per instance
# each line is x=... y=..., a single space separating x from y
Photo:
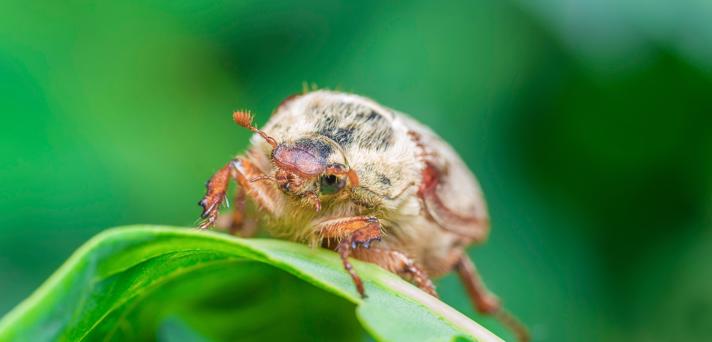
x=310 y=168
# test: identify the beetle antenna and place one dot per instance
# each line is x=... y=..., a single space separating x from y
x=244 y=119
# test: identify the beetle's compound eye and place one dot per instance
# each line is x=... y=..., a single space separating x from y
x=331 y=184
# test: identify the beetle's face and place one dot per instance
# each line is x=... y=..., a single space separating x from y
x=310 y=167
x=313 y=168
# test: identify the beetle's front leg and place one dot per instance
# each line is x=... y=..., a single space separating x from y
x=243 y=172
x=354 y=232
x=216 y=188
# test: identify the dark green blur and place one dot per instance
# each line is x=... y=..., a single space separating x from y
x=589 y=125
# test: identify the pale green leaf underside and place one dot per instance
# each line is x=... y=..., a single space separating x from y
x=102 y=291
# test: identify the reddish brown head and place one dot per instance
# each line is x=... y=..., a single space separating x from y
x=305 y=167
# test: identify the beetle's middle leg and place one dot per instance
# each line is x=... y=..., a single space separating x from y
x=354 y=232
x=400 y=264
x=243 y=172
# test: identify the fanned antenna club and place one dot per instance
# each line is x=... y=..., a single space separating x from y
x=244 y=119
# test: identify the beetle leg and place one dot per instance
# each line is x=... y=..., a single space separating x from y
x=236 y=222
x=242 y=171
x=354 y=232
x=400 y=264
x=216 y=187
x=238 y=211
x=263 y=193
x=484 y=301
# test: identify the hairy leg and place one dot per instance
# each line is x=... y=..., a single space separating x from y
x=243 y=172
x=216 y=189
x=237 y=222
x=354 y=232
x=400 y=264
x=238 y=212
x=486 y=302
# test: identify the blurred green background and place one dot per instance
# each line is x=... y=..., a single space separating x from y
x=589 y=125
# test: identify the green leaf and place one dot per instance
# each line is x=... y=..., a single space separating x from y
x=161 y=283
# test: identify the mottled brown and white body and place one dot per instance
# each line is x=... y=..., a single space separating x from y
x=341 y=171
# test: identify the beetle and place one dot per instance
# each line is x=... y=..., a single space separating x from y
x=341 y=171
